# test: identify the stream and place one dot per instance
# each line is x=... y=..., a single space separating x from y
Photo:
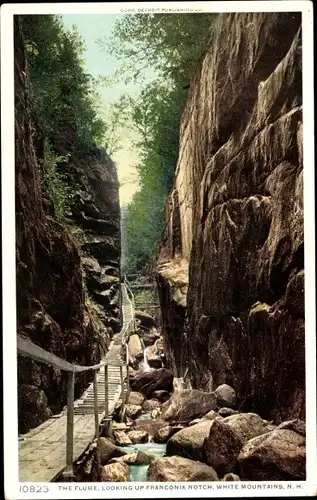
x=157 y=450
x=139 y=472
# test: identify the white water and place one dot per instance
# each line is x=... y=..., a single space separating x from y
x=139 y=472
x=144 y=364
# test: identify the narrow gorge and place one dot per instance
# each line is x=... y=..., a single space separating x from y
x=216 y=355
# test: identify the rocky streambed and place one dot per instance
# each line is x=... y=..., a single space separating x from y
x=173 y=432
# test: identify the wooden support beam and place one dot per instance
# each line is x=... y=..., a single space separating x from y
x=69 y=471
x=106 y=393
x=96 y=405
x=122 y=392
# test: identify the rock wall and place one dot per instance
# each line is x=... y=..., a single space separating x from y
x=239 y=184
x=52 y=307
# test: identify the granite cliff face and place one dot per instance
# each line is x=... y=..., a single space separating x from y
x=234 y=221
x=54 y=274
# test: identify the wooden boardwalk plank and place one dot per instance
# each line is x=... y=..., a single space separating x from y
x=42 y=451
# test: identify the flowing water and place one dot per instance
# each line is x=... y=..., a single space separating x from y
x=156 y=450
x=144 y=365
x=139 y=472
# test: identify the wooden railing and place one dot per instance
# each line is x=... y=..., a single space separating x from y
x=28 y=349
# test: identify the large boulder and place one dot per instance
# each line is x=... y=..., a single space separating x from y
x=136 y=398
x=138 y=436
x=295 y=425
x=211 y=415
x=153 y=357
x=133 y=411
x=116 y=472
x=221 y=447
x=187 y=404
x=150 y=426
x=107 y=450
x=150 y=404
x=148 y=382
x=279 y=455
x=135 y=458
x=145 y=320
x=246 y=425
x=174 y=469
x=227 y=436
x=189 y=442
x=163 y=434
x=121 y=438
x=226 y=396
x=135 y=347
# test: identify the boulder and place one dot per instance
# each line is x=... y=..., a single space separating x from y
x=107 y=450
x=136 y=398
x=174 y=469
x=164 y=433
x=295 y=425
x=135 y=458
x=187 y=404
x=146 y=321
x=162 y=396
x=148 y=382
x=228 y=477
x=115 y=472
x=227 y=412
x=189 y=442
x=153 y=357
x=133 y=411
x=221 y=447
x=150 y=426
x=246 y=425
x=119 y=426
x=227 y=436
x=149 y=337
x=135 y=347
x=151 y=404
x=226 y=396
x=138 y=436
x=121 y=438
x=211 y=415
x=279 y=455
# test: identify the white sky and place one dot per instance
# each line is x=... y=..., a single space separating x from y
x=98 y=62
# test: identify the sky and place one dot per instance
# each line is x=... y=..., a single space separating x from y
x=98 y=61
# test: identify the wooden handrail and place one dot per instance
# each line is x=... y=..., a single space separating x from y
x=28 y=349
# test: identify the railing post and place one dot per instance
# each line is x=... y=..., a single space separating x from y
x=97 y=423
x=106 y=393
x=127 y=368
x=122 y=392
x=96 y=405
x=69 y=472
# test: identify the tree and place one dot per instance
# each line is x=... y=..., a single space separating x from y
x=171 y=45
x=61 y=90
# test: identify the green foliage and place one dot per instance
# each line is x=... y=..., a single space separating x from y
x=63 y=93
x=170 y=45
x=55 y=184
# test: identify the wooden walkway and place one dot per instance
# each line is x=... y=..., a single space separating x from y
x=42 y=451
